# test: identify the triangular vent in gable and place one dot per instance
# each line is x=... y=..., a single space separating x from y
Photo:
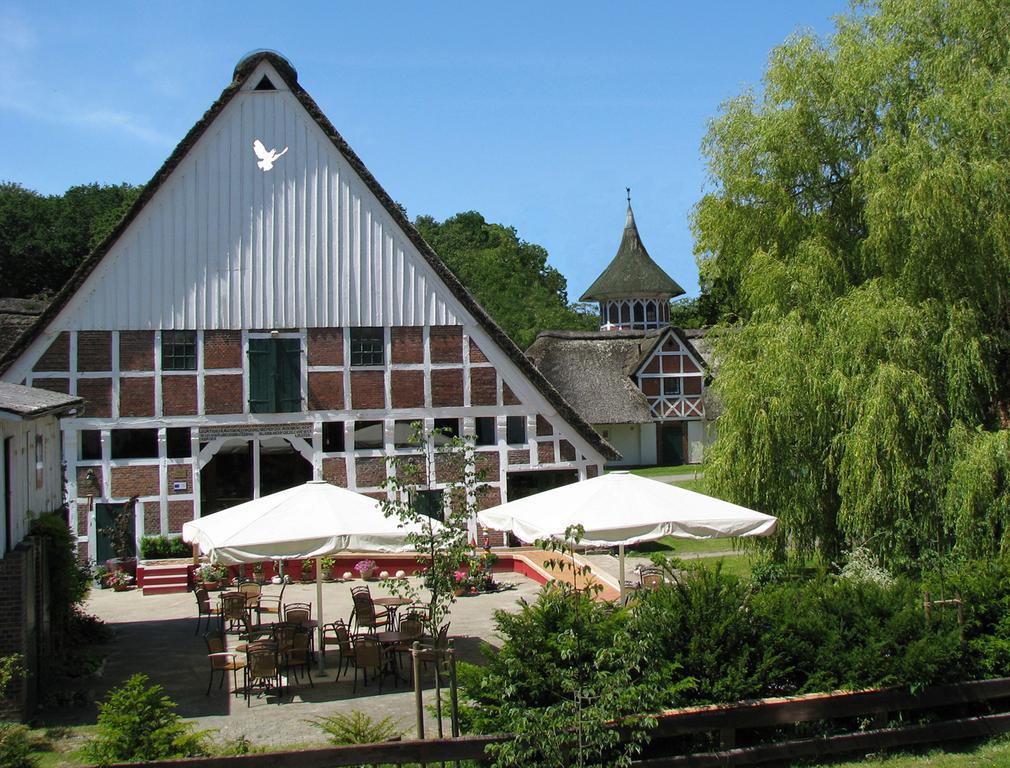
x=265 y=85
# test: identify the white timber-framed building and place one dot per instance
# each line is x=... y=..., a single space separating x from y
x=265 y=314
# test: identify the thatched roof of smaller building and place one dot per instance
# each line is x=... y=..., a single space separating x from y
x=592 y=371
x=16 y=317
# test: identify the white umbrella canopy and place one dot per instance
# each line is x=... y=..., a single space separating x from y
x=619 y=508
x=309 y=520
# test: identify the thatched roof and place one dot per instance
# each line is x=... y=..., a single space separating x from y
x=592 y=371
x=632 y=273
x=287 y=72
x=28 y=402
x=16 y=317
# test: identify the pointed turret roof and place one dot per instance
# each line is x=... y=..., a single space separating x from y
x=632 y=273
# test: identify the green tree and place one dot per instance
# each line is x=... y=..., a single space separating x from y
x=856 y=240
x=44 y=238
x=436 y=491
x=508 y=276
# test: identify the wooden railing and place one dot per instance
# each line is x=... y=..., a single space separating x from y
x=724 y=720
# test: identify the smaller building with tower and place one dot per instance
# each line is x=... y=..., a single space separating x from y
x=638 y=380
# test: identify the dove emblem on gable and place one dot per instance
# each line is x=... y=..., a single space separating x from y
x=267 y=157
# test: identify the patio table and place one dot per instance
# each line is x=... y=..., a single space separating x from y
x=392 y=604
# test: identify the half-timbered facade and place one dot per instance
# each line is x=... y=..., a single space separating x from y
x=638 y=380
x=265 y=314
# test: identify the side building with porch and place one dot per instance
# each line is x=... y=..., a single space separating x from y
x=31 y=484
x=262 y=317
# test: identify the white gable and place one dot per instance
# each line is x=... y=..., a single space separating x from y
x=224 y=244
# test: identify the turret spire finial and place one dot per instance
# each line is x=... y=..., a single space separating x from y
x=629 y=194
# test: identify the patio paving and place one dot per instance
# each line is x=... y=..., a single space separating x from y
x=155 y=635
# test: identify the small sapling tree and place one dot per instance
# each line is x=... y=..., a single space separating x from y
x=435 y=491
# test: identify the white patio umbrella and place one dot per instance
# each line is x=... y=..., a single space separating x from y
x=307 y=521
x=620 y=508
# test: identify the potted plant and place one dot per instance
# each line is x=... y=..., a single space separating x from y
x=101 y=574
x=365 y=568
x=327 y=563
x=209 y=576
x=120 y=581
x=309 y=569
x=120 y=533
x=461 y=582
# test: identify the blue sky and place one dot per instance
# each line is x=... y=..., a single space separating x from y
x=535 y=114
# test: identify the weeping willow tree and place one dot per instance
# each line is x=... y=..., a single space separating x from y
x=856 y=237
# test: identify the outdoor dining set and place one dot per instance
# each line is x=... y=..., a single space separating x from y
x=276 y=641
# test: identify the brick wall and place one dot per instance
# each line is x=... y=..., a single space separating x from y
x=15 y=583
x=407 y=344
x=152 y=518
x=476 y=355
x=545 y=451
x=335 y=471
x=86 y=487
x=178 y=395
x=222 y=349
x=407 y=388
x=180 y=473
x=325 y=346
x=483 y=386
x=446 y=342
x=223 y=393
x=326 y=391
x=508 y=396
x=134 y=481
x=53 y=385
x=370 y=472
x=136 y=350
x=136 y=396
x=368 y=389
x=94 y=350
x=57 y=357
x=179 y=511
x=97 y=394
x=447 y=387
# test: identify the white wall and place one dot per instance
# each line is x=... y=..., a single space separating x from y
x=647 y=443
x=36 y=480
x=697 y=439
x=626 y=439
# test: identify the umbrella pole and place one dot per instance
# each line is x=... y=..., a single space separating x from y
x=620 y=568
x=320 y=648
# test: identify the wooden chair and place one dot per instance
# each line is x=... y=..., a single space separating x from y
x=298 y=613
x=204 y=608
x=222 y=660
x=650 y=577
x=336 y=634
x=252 y=592
x=233 y=612
x=263 y=670
x=412 y=626
x=368 y=655
x=270 y=604
x=299 y=655
x=365 y=614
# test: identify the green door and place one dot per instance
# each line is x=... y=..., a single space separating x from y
x=671 y=444
x=105 y=522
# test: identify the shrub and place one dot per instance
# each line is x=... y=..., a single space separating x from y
x=153 y=547
x=68 y=580
x=356 y=728
x=138 y=722
x=16 y=747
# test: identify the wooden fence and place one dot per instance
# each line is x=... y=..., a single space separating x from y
x=724 y=720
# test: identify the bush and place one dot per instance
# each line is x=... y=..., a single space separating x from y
x=138 y=722
x=154 y=547
x=16 y=747
x=356 y=728
x=69 y=581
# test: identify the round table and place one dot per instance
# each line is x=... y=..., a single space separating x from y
x=392 y=604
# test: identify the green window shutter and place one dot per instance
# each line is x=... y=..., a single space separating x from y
x=262 y=395
x=289 y=375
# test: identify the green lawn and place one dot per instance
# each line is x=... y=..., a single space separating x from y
x=679 y=469
x=991 y=754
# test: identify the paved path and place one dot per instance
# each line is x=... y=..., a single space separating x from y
x=155 y=635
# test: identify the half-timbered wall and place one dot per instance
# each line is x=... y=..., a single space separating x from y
x=429 y=372
x=672 y=381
